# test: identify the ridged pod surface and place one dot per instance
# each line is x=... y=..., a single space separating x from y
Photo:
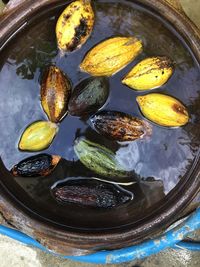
x=74 y=25
x=55 y=93
x=89 y=96
x=149 y=73
x=91 y=193
x=163 y=109
x=98 y=159
x=38 y=165
x=120 y=126
x=38 y=136
x=110 y=56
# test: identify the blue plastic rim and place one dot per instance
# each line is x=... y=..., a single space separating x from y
x=171 y=238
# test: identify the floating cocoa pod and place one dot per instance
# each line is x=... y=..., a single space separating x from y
x=55 y=93
x=90 y=193
x=120 y=126
x=111 y=55
x=38 y=165
x=89 y=96
x=75 y=25
x=163 y=109
x=99 y=159
x=38 y=136
x=149 y=73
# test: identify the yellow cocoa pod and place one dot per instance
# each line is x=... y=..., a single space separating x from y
x=110 y=56
x=163 y=109
x=150 y=73
x=74 y=25
x=55 y=93
x=38 y=136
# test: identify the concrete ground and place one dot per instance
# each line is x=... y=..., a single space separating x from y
x=15 y=254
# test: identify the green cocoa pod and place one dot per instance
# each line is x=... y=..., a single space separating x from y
x=38 y=136
x=88 y=96
x=99 y=159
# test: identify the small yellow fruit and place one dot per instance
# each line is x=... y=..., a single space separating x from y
x=163 y=110
x=74 y=25
x=38 y=136
x=110 y=56
x=150 y=73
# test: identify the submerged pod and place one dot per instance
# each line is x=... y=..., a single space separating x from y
x=38 y=165
x=89 y=96
x=120 y=126
x=149 y=73
x=55 y=93
x=38 y=136
x=110 y=56
x=163 y=109
x=99 y=159
x=74 y=25
x=90 y=193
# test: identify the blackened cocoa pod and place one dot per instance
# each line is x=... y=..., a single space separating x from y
x=55 y=93
x=74 y=25
x=38 y=165
x=120 y=126
x=90 y=193
x=89 y=96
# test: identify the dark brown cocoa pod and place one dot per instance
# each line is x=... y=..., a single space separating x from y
x=38 y=165
x=55 y=93
x=120 y=126
x=88 y=96
x=91 y=193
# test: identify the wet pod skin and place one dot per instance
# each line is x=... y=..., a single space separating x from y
x=38 y=165
x=38 y=136
x=88 y=96
x=74 y=25
x=111 y=55
x=90 y=193
x=162 y=109
x=120 y=126
x=55 y=93
x=150 y=73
